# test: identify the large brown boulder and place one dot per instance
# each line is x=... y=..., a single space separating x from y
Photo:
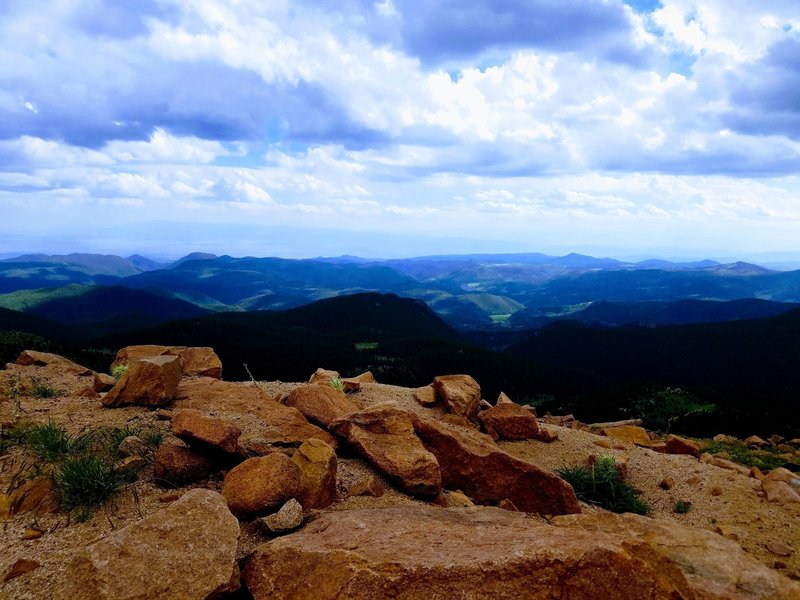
x=422 y=552
x=178 y=465
x=384 y=435
x=199 y=361
x=150 y=381
x=460 y=393
x=37 y=495
x=628 y=433
x=317 y=463
x=185 y=551
x=33 y=358
x=470 y=461
x=509 y=421
x=260 y=483
x=679 y=445
x=323 y=376
x=273 y=423
x=196 y=428
x=320 y=404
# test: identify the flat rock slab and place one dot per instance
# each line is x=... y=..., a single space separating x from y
x=275 y=424
x=185 y=551
x=414 y=552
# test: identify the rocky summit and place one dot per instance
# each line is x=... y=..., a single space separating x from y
x=169 y=482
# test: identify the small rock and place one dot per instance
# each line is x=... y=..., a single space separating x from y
x=507 y=504
x=716 y=491
x=756 y=442
x=5 y=506
x=133 y=446
x=31 y=533
x=756 y=473
x=425 y=395
x=510 y=422
x=726 y=531
x=323 y=376
x=503 y=399
x=775 y=439
x=667 y=483
x=779 y=549
x=603 y=443
x=455 y=499
x=20 y=567
x=287 y=519
x=694 y=481
x=260 y=484
x=37 y=496
x=130 y=463
x=368 y=485
x=164 y=414
x=725 y=439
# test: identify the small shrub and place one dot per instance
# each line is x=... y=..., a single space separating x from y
x=337 y=384
x=87 y=480
x=118 y=371
x=602 y=484
x=682 y=507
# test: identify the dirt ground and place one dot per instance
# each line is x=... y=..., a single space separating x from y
x=739 y=511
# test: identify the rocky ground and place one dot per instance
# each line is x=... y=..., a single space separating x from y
x=390 y=498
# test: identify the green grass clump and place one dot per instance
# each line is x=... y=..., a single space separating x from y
x=43 y=390
x=118 y=371
x=682 y=507
x=88 y=480
x=602 y=484
x=49 y=441
x=337 y=384
x=765 y=459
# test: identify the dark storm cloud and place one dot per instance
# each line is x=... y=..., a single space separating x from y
x=211 y=101
x=766 y=95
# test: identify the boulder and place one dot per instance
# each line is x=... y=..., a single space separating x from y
x=320 y=404
x=323 y=377
x=316 y=461
x=509 y=421
x=287 y=519
x=368 y=484
x=785 y=475
x=384 y=435
x=32 y=358
x=779 y=491
x=205 y=432
x=185 y=551
x=460 y=393
x=425 y=395
x=456 y=499
x=353 y=384
x=276 y=426
x=150 y=382
x=195 y=361
x=260 y=484
x=423 y=552
x=679 y=445
x=471 y=462
x=102 y=382
x=628 y=433
x=178 y=465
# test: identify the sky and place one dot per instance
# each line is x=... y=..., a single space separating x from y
x=400 y=127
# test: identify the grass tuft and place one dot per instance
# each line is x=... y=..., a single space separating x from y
x=44 y=390
x=118 y=371
x=602 y=484
x=48 y=442
x=337 y=384
x=682 y=507
x=88 y=480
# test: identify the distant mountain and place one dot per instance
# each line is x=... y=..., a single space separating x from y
x=268 y=283
x=89 y=264
x=144 y=264
x=680 y=312
x=11 y=320
x=193 y=256
x=100 y=310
